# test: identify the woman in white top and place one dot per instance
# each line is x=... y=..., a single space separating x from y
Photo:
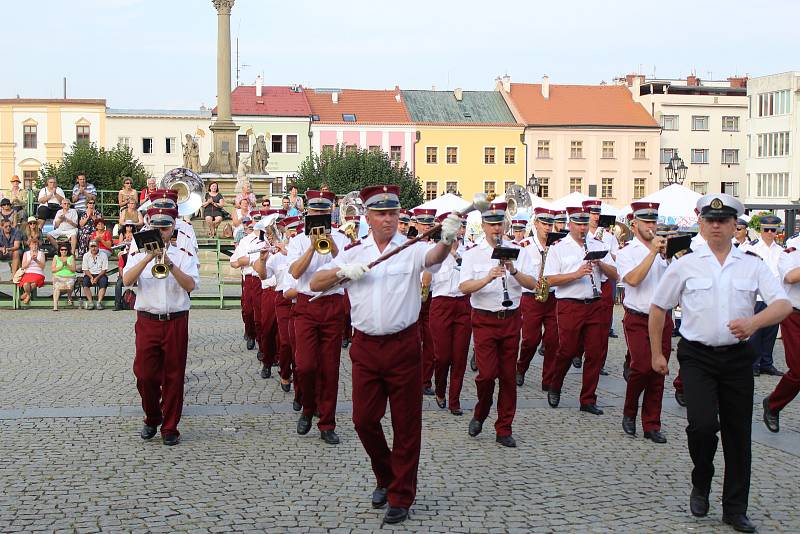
x=33 y=263
x=242 y=211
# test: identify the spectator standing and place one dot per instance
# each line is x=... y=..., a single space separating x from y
x=294 y=200
x=33 y=263
x=7 y=213
x=130 y=213
x=127 y=193
x=151 y=188
x=102 y=235
x=63 y=267
x=10 y=244
x=49 y=199
x=86 y=229
x=66 y=225
x=82 y=192
x=213 y=209
x=19 y=199
x=95 y=266
x=246 y=193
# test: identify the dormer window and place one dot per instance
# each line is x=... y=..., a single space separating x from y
x=349 y=117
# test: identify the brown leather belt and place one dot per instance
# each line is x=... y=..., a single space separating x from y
x=502 y=314
x=162 y=316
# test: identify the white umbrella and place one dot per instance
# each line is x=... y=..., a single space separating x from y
x=676 y=205
x=573 y=199
x=445 y=203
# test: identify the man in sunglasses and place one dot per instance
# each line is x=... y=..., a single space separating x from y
x=763 y=341
x=740 y=236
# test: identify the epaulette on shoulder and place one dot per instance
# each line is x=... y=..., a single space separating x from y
x=753 y=242
x=789 y=249
x=751 y=253
x=471 y=247
x=523 y=244
x=353 y=244
x=186 y=251
x=182 y=232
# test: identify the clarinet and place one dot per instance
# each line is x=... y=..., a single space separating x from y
x=507 y=302
x=595 y=292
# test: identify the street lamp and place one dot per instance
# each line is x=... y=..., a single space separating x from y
x=676 y=170
x=533 y=185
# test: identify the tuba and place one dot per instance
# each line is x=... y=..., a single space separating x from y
x=519 y=204
x=352 y=205
x=189 y=186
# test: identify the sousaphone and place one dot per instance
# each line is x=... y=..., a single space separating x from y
x=518 y=204
x=189 y=187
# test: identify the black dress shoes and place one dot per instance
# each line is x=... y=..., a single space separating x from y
x=520 y=379
x=739 y=522
x=170 y=439
x=296 y=406
x=251 y=343
x=772 y=371
x=612 y=334
x=553 y=398
x=395 y=515
x=475 y=427
x=576 y=362
x=345 y=343
x=655 y=436
x=603 y=371
x=266 y=371
x=441 y=403
x=506 y=441
x=629 y=425
x=771 y=419
x=457 y=411
x=259 y=356
x=545 y=387
x=379 y=498
x=680 y=399
x=473 y=363
x=698 y=503
x=329 y=436
x=541 y=350
x=427 y=391
x=148 y=431
x=286 y=386
x=303 y=425
x=592 y=409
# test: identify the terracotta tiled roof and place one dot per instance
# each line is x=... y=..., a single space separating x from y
x=369 y=106
x=579 y=105
x=275 y=101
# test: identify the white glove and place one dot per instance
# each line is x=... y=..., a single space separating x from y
x=450 y=228
x=353 y=271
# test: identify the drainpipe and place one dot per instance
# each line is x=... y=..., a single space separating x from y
x=522 y=140
x=417 y=137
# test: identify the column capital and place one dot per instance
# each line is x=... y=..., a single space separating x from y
x=223 y=7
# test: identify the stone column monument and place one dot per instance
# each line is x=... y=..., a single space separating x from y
x=223 y=160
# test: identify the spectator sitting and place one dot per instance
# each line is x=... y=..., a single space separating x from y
x=245 y=229
x=151 y=187
x=127 y=193
x=95 y=266
x=102 y=236
x=33 y=264
x=86 y=228
x=7 y=213
x=125 y=238
x=238 y=214
x=49 y=199
x=213 y=209
x=130 y=213
x=246 y=193
x=66 y=225
x=10 y=244
x=63 y=267
x=32 y=231
x=82 y=193
x=19 y=199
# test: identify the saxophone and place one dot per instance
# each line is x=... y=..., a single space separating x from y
x=543 y=293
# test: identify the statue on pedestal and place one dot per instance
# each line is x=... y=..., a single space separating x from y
x=241 y=174
x=191 y=154
x=259 y=157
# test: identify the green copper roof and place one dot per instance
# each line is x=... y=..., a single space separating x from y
x=475 y=107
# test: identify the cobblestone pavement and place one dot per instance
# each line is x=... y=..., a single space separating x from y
x=72 y=461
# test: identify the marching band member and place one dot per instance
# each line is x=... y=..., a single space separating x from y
x=716 y=287
x=266 y=322
x=168 y=198
x=347 y=333
x=537 y=316
x=405 y=220
x=560 y=220
x=450 y=329
x=789 y=385
x=494 y=291
x=162 y=328
x=386 y=352
x=763 y=341
x=740 y=237
x=607 y=286
x=518 y=230
x=425 y=220
x=285 y=295
x=242 y=258
x=580 y=310
x=318 y=325
x=641 y=264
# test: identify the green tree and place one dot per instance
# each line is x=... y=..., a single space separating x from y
x=346 y=170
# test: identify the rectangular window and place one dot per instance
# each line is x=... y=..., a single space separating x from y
x=277 y=144
x=772 y=184
x=452 y=154
x=124 y=141
x=82 y=134
x=29 y=137
x=169 y=145
x=394 y=153
x=666 y=154
x=576 y=185
x=374 y=148
x=29 y=178
x=348 y=117
x=291 y=144
x=775 y=144
x=544 y=187
x=730 y=124
x=431 y=154
x=488 y=155
x=488 y=188
x=576 y=149
x=607 y=188
x=327 y=147
x=543 y=149
x=699 y=122
x=669 y=122
x=640 y=150
x=699 y=155
x=511 y=156
x=507 y=185
x=147 y=145
x=608 y=149
x=243 y=144
x=639 y=186
x=730 y=156
x=451 y=187
x=731 y=188
x=430 y=190
x=350 y=148
x=700 y=187
x=774 y=103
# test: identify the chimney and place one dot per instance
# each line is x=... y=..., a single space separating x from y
x=546 y=87
x=634 y=80
x=259 y=82
x=507 y=83
x=458 y=94
x=693 y=81
x=397 y=97
x=739 y=82
x=335 y=97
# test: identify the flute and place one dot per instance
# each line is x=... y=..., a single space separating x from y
x=595 y=292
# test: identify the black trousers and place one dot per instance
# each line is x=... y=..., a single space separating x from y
x=763 y=342
x=718 y=386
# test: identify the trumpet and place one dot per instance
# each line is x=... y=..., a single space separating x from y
x=595 y=291
x=323 y=243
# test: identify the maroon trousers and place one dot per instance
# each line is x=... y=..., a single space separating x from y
x=347 y=333
x=159 y=368
x=641 y=376
x=389 y=367
x=318 y=341
x=580 y=325
x=607 y=297
x=428 y=351
x=496 y=346
x=789 y=386
x=267 y=327
x=251 y=287
x=283 y=314
x=537 y=316
x=450 y=327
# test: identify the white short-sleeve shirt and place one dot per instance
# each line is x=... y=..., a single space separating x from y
x=629 y=258
x=247 y=244
x=788 y=261
x=566 y=256
x=298 y=246
x=476 y=264
x=445 y=282
x=164 y=295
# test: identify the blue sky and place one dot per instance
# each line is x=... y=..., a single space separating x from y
x=162 y=54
